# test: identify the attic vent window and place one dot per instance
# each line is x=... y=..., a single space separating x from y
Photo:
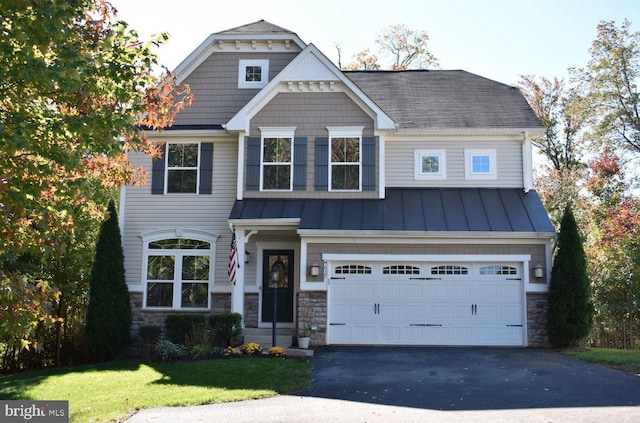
x=253 y=74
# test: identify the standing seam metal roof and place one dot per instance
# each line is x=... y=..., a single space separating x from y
x=411 y=209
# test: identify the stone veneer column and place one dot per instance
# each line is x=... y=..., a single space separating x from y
x=537 y=319
x=312 y=311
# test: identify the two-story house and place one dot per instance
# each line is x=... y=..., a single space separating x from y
x=391 y=207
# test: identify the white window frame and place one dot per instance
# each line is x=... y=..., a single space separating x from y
x=167 y=168
x=242 y=70
x=469 y=154
x=345 y=132
x=283 y=132
x=178 y=253
x=442 y=165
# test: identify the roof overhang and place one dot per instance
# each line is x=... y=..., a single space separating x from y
x=452 y=132
x=402 y=236
x=217 y=41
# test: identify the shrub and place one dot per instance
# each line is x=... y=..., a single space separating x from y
x=199 y=338
x=178 y=325
x=109 y=311
x=276 y=352
x=167 y=350
x=251 y=349
x=226 y=327
x=570 y=315
x=149 y=333
x=229 y=352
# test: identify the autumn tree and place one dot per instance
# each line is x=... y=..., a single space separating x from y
x=610 y=81
x=406 y=49
x=612 y=227
x=77 y=84
x=570 y=311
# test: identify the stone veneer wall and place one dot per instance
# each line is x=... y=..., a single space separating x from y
x=251 y=307
x=312 y=311
x=537 y=319
x=220 y=303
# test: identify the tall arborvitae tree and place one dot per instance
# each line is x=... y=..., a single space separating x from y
x=570 y=310
x=109 y=311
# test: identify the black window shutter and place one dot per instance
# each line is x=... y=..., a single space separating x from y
x=322 y=164
x=300 y=163
x=206 y=167
x=368 y=163
x=157 y=173
x=253 y=164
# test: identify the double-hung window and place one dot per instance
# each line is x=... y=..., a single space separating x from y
x=480 y=164
x=277 y=159
x=178 y=272
x=345 y=164
x=182 y=167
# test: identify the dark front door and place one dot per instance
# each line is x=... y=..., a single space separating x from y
x=284 y=261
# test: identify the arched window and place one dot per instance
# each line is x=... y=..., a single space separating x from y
x=178 y=272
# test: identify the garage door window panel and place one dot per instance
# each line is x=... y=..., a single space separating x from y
x=400 y=269
x=449 y=270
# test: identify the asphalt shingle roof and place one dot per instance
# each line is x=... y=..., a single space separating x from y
x=411 y=209
x=445 y=99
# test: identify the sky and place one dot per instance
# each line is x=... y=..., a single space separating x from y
x=497 y=39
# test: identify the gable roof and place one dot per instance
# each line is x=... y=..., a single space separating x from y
x=260 y=27
x=445 y=99
x=466 y=210
x=259 y=30
x=310 y=65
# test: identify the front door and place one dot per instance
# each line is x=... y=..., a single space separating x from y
x=284 y=291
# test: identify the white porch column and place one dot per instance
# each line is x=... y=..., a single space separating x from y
x=237 y=290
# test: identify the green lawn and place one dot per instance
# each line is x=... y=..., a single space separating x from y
x=627 y=360
x=107 y=392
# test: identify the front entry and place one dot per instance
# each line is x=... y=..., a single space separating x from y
x=284 y=260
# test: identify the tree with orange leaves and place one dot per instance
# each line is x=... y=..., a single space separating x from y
x=77 y=87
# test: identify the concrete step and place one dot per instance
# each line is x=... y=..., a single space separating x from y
x=263 y=336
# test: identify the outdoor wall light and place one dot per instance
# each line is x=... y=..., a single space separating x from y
x=314 y=269
x=247 y=256
x=538 y=271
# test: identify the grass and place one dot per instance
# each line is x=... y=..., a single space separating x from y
x=110 y=391
x=626 y=360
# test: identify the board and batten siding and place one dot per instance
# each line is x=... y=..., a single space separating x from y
x=399 y=169
x=146 y=212
x=214 y=85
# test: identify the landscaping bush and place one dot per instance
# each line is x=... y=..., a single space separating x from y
x=251 y=349
x=168 y=351
x=226 y=327
x=109 y=310
x=276 y=352
x=178 y=325
x=570 y=314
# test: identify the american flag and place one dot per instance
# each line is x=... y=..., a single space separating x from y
x=233 y=260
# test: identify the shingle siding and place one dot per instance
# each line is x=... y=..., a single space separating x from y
x=215 y=86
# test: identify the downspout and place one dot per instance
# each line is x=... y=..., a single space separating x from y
x=527 y=163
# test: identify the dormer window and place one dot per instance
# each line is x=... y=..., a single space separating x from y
x=253 y=74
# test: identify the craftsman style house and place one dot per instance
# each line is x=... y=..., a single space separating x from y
x=378 y=207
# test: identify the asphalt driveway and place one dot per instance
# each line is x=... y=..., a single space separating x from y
x=396 y=384
x=467 y=378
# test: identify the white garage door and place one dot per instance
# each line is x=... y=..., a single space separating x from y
x=427 y=304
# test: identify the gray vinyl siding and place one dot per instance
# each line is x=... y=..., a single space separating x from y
x=311 y=114
x=400 y=163
x=215 y=86
x=145 y=212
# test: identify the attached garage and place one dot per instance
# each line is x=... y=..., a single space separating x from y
x=427 y=303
